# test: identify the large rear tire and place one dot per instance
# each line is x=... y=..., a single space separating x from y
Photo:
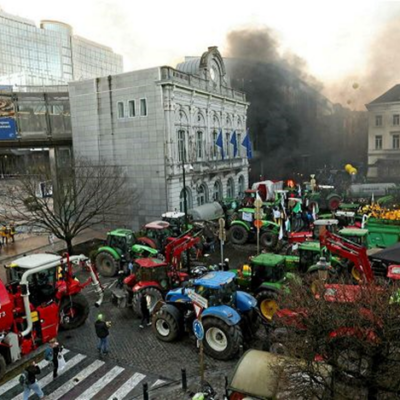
x=333 y=202
x=2 y=366
x=238 y=234
x=221 y=341
x=267 y=303
x=74 y=311
x=152 y=292
x=269 y=239
x=106 y=264
x=166 y=323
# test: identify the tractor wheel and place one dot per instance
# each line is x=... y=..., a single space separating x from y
x=74 y=311
x=238 y=234
x=267 y=303
x=106 y=264
x=2 y=366
x=166 y=323
x=221 y=341
x=152 y=292
x=333 y=202
x=269 y=239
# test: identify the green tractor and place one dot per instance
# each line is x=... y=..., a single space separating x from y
x=243 y=230
x=121 y=247
x=265 y=277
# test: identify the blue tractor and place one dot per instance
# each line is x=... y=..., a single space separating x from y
x=230 y=314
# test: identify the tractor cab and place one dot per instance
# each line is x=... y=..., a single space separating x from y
x=152 y=270
x=121 y=240
x=309 y=254
x=42 y=284
x=359 y=236
x=176 y=219
x=158 y=232
x=322 y=225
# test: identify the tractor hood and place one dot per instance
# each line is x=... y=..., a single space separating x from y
x=178 y=295
x=244 y=301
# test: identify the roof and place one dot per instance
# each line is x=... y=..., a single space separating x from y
x=216 y=279
x=353 y=232
x=35 y=260
x=392 y=95
x=326 y=222
x=120 y=232
x=268 y=259
x=173 y=214
x=150 y=262
x=311 y=245
x=157 y=225
x=190 y=66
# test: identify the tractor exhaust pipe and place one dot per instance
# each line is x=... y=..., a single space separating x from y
x=98 y=289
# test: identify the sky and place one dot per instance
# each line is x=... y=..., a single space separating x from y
x=333 y=37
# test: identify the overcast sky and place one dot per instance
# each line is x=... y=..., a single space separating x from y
x=332 y=36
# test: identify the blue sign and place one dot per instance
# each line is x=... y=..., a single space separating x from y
x=8 y=129
x=198 y=329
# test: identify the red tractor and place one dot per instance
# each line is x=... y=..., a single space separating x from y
x=153 y=277
x=41 y=295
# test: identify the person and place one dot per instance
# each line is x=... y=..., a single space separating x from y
x=56 y=349
x=102 y=331
x=144 y=308
x=30 y=382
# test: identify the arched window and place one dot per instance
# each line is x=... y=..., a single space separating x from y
x=182 y=146
x=217 y=190
x=230 y=188
x=202 y=195
x=241 y=186
x=189 y=200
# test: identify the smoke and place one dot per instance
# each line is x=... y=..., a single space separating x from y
x=380 y=74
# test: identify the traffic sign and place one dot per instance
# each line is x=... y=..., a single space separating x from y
x=258 y=224
x=197 y=309
x=198 y=329
x=258 y=203
x=197 y=299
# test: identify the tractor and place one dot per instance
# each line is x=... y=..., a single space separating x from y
x=242 y=230
x=228 y=314
x=153 y=277
x=121 y=247
x=40 y=297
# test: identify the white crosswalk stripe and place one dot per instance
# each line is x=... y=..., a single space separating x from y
x=15 y=381
x=129 y=385
x=75 y=380
x=49 y=377
x=158 y=382
x=100 y=384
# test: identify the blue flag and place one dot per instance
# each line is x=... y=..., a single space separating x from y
x=220 y=144
x=234 y=142
x=246 y=143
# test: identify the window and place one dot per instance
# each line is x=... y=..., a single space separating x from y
x=202 y=197
x=241 y=187
x=217 y=191
x=227 y=144
x=378 y=120
x=199 y=145
x=181 y=146
x=230 y=188
x=121 y=110
x=378 y=142
x=189 y=203
x=143 y=107
x=239 y=144
x=214 y=145
x=396 y=141
x=132 y=108
x=396 y=119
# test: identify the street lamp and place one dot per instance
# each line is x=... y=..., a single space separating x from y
x=184 y=193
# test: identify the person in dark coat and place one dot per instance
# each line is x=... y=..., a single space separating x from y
x=57 y=349
x=31 y=382
x=144 y=308
x=102 y=331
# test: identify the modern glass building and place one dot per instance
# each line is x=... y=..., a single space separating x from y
x=50 y=54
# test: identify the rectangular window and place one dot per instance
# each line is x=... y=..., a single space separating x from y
x=143 y=107
x=396 y=142
x=396 y=119
x=121 y=110
x=132 y=108
x=378 y=142
x=181 y=146
x=199 y=145
x=227 y=144
x=239 y=144
x=214 y=145
x=378 y=120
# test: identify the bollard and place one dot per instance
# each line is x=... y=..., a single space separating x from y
x=145 y=391
x=226 y=386
x=184 y=379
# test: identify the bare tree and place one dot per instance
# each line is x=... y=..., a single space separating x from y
x=85 y=194
x=355 y=330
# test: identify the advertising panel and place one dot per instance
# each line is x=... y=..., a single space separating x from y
x=8 y=128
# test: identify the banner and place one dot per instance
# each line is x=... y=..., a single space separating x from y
x=8 y=127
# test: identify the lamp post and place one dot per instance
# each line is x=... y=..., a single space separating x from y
x=184 y=193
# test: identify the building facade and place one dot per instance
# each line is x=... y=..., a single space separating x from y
x=158 y=121
x=50 y=54
x=384 y=136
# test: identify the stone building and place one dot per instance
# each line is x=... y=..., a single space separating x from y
x=384 y=136
x=157 y=121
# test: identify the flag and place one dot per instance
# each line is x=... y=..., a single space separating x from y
x=234 y=142
x=246 y=143
x=220 y=143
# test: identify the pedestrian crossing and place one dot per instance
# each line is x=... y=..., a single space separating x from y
x=84 y=378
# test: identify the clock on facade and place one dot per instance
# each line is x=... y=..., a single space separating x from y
x=214 y=73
